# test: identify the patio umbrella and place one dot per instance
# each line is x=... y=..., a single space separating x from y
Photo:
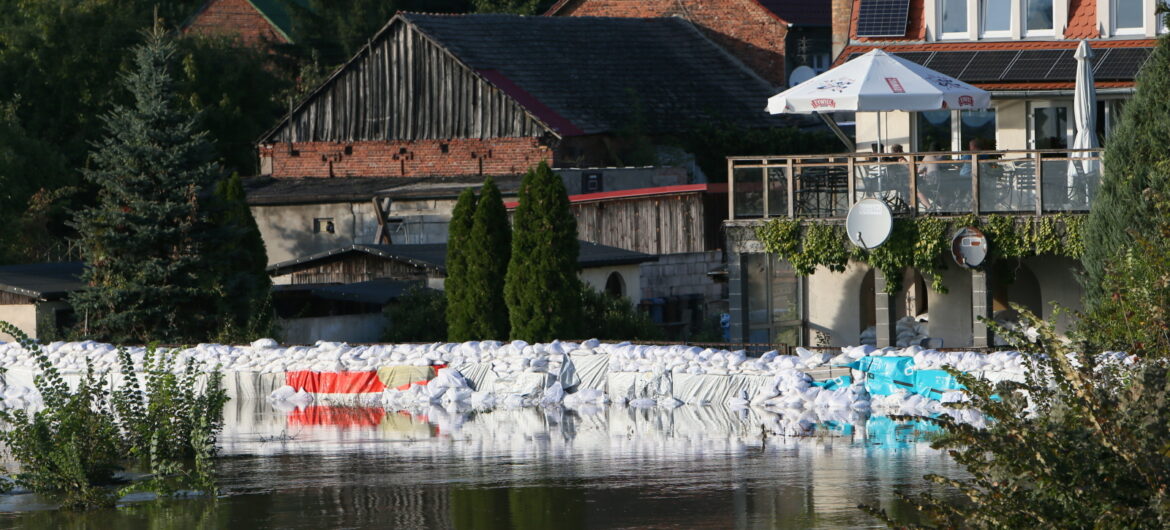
x=1084 y=115
x=878 y=82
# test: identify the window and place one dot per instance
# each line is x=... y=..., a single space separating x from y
x=934 y=130
x=946 y=130
x=977 y=125
x=1037 y=17
x=997 y=18
x=1128 y=16
x=954 y=17
x=323 y=224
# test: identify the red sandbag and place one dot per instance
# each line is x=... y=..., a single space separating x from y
x=335 y=382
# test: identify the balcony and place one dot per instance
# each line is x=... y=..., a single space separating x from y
x=1027 y=182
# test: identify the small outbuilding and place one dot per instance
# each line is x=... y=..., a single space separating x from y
x=33 y=297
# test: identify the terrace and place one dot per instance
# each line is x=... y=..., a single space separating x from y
x=1026 y=182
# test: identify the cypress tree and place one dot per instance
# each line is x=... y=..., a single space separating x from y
x=1131 y=159
x=459 y=314
x=240 y=267
x=489 y=248
x=541 y=289
x=143 y=240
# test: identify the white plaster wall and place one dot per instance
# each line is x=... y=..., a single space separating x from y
x=287 y=230
x=950 y=313
x=596 y=277
x=23 y=316
x=834 y=304
x=895 y=129
x=1011 y=122
x=1057 y=276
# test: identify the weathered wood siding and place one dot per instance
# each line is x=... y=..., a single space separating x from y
x=655 y=225
x=404 y=87
x=359 y=268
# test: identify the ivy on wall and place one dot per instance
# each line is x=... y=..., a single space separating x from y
x=922 y=243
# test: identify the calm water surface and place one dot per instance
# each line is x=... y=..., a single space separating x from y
x=691 y=467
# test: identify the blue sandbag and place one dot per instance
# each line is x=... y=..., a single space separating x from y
x=834 y=383
x=933 y=383
x=878 y=385
x=893 y=368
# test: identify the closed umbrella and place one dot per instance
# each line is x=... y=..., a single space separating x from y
x=1085 y=117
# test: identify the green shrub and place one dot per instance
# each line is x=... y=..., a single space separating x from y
x=74 y=445
x=609 y=317
x=418 y=316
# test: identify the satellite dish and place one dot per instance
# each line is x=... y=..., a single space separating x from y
x=800 y=75
x=869 y=223
x=969 y=247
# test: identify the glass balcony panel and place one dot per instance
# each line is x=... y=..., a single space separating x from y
x=777 y=192
x=1007 y=184
x=749 y=193
x=822 y=189
x=1070 y=184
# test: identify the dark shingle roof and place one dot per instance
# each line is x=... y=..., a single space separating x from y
x=379 y=292
x=592 y=74
x=262 y=191
x=801 y=12
x=434 y=256
x=46 y=281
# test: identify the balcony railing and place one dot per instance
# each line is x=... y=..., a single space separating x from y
x=942 y=183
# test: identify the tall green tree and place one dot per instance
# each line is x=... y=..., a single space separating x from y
x=541 y=288
x=456 y=287
x=489 y=249
x=239 y=266
x=1122 y=208
x=144 y=241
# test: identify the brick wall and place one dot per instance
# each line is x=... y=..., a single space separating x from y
x=743 y=27
x=495 y=156
x=842 y=18
x=234 y=18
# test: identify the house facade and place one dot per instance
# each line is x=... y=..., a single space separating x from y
x=1019 y=172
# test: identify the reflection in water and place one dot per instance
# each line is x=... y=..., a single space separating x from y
x=708 y=467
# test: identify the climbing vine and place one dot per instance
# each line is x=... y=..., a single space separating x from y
x=921 y=243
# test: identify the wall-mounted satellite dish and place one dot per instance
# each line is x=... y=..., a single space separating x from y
x=800 y=74
x=969 y=247
x=869 y=223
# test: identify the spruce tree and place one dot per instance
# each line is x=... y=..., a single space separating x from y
x=143 y=240
x=239 y=261
x=542 y=289
x=1122 y=207
x=459 y=314
x=489 y=248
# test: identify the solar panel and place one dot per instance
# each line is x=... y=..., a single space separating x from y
x=988 y=66
x=1033 y=64
x=915 y=57
x=1121 y=63
x=1065 y=67
x=950 y=63
x=882 y=18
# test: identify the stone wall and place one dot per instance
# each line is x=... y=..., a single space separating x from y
x=684 y=274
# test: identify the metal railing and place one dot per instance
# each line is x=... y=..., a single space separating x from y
x=938 y=183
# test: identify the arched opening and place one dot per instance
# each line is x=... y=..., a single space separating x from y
x=615 y=285
x=913 y=300
x=868 y=305
x=1014 y=283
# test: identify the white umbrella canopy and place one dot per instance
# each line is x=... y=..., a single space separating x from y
x=878 y=82
x=1085 y=117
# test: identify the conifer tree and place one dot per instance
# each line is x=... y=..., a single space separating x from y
x=1122 y=207
x=239 y=261
x=459 y=314
x=143 y=240
x=542 y=289
x=489 y=248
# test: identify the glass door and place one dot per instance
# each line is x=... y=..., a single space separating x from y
x=1051 y=126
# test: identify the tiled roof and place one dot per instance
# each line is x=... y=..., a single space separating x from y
x=270 y=191
x=277 y=13
x=1082 y=20
x=600 y=74
x=915 y=26
x=800 y=12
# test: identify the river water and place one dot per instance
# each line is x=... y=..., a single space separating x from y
x=533 y=468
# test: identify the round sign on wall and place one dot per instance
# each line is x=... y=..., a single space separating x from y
x=969 y=247
x=869 y=223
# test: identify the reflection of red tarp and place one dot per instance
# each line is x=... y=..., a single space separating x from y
x=334 y=382
x=339 y=416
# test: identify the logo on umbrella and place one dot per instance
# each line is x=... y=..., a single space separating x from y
x=966 y=101
x=824 y=102
x=895 y=85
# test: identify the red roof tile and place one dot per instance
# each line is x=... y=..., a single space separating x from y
x=1082 y=20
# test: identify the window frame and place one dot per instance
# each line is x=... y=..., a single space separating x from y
x=966 y=11
x=1025 y=31
x=999 y=33
x=1140 y=29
